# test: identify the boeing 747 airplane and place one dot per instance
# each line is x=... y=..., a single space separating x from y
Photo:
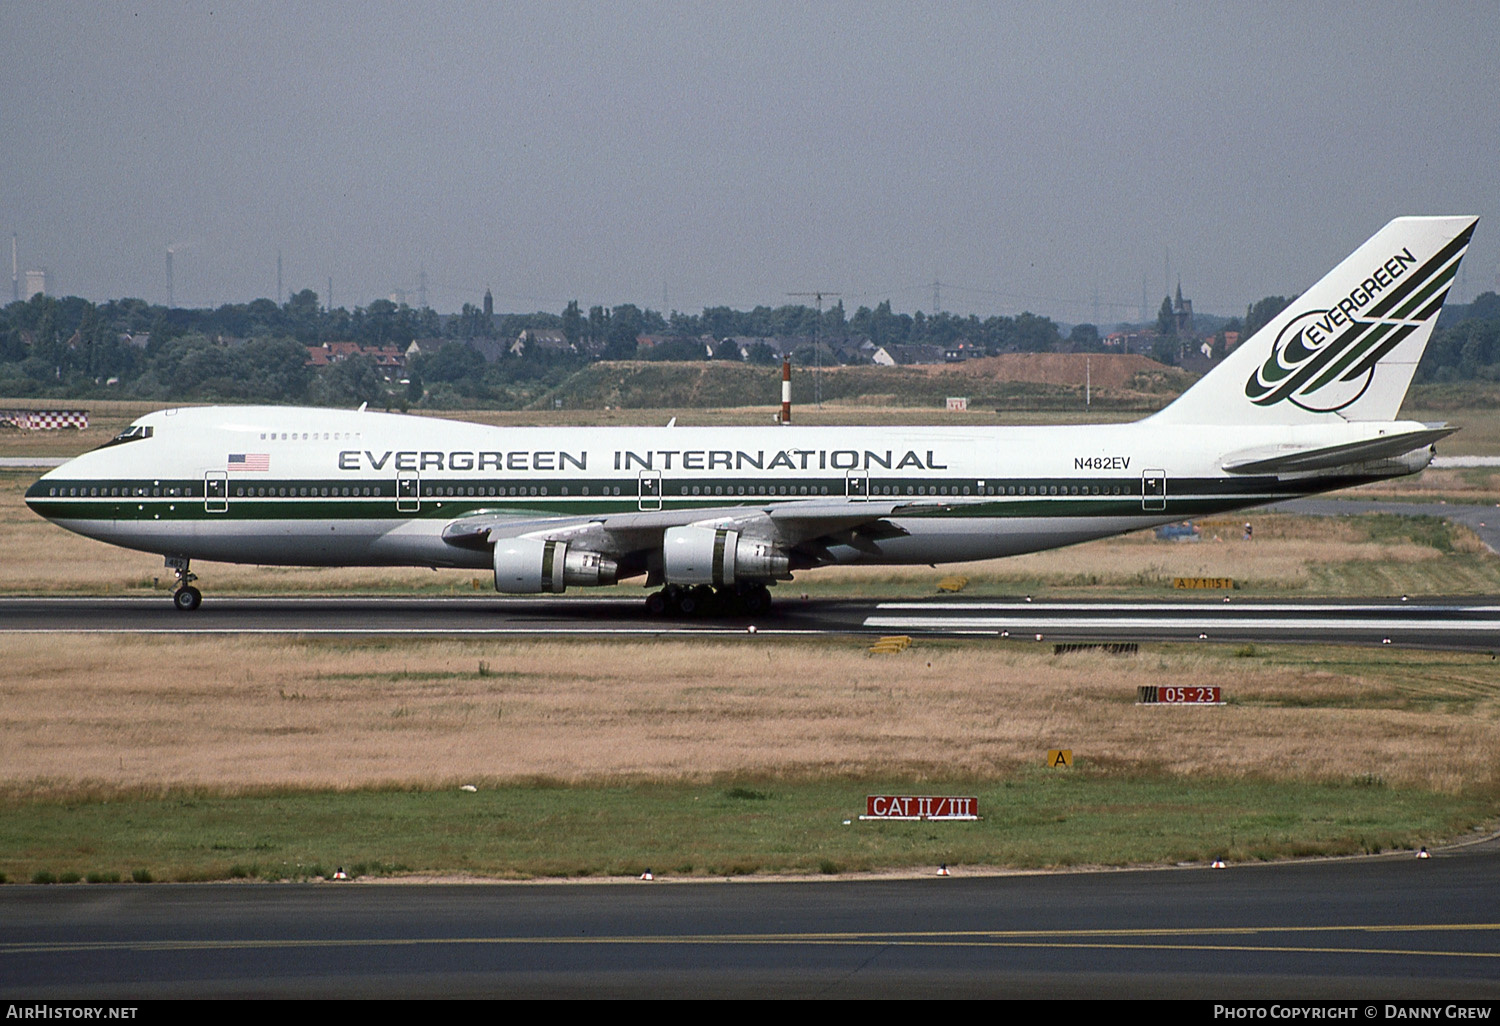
x=712 y=517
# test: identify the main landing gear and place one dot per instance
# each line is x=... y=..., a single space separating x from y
x=704 y=601
x=186 y=598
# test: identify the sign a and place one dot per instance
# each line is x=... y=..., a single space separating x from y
x=889 y=806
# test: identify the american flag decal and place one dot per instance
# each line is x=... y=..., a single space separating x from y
x=249 y=461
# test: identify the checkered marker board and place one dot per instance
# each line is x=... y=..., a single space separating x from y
x=46 y=420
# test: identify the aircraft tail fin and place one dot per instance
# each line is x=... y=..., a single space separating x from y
x=1347 y=348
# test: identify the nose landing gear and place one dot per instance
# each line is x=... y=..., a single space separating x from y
x=186 y=598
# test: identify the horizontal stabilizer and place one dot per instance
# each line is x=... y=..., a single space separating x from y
x=1286 y=460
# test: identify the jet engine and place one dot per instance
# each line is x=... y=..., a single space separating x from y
x=718 y=556
x=526 y=566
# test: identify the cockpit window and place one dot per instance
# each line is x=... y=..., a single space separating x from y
x=134 y=433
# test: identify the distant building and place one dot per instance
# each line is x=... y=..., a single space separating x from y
x=905 y=356
x=958 y=352
x=1182 y=315
x=390 y=361
x=492 y=349
x=542 y=339
x=36 y=284
x=1139 y=342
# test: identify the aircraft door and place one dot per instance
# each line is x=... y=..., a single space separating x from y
x=1153 y=490
x=649 y=490
x=408 y=492
x=857 y=484
x=216 y=492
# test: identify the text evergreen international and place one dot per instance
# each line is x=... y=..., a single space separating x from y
x=652 y=459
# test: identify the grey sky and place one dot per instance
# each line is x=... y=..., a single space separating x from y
x=1029 y=156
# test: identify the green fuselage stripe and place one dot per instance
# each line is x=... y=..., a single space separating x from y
x=339 y=499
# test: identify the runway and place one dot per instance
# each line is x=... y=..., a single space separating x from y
x=1384 y=928
x=1431 y=623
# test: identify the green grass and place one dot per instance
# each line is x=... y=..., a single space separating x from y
x=1462 y=574
x=1034 y=819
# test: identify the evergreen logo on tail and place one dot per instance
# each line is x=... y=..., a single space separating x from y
x=1323 y=360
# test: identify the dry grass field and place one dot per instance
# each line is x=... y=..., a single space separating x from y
x=89 y=715
x=190 y=759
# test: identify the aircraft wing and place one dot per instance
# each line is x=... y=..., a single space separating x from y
x=789 y=524
x=1294 y=460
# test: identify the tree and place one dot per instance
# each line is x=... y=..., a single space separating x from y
x=1085 y=338
x=1263 y=312
x=572 y=323
x=455 y=363
x=1486 y=307
x=275 y=369
x=598 y=330
x=676 y=349
x=1166 y=320
x=301 y=316
x=760 y=354
x=1036 y=334
x=471 y=322
x=348 y=383
x=624 y=329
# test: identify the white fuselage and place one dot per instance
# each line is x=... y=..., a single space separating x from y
x=278 y=485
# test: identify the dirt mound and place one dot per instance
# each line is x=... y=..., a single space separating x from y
x=1104 y=370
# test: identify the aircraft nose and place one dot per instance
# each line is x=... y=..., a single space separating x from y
x=40 y=497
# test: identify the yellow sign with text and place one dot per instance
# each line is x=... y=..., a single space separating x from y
x=1057 y=757
x=1203 y=582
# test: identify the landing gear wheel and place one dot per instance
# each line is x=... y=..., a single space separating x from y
x=186 y=598
x=657 y=603
x=695 y=601
x=756 y=600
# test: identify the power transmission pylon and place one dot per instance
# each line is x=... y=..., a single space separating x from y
x=817 y=350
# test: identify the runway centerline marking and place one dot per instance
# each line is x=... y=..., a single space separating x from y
x=1115 y=939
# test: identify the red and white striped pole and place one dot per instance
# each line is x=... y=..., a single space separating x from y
x=786 y=390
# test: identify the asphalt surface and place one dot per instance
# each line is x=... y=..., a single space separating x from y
x=1431 y=623
x=1388 y=927
x=1482 y=520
